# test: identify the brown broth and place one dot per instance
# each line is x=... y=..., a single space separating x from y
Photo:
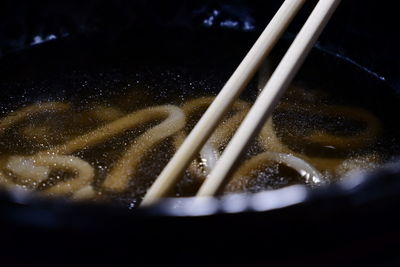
x=101 y=95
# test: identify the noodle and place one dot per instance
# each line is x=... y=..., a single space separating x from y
x=106 y=113
x=40 y=166
x=271 y=141
x=361 y=139
x=33 y=170
x=27 y=169
x=118 y=178
x=354 y=141
x=24 y=113
x=5 y=181
x=116 y=127
x=240 y=177
x=209 y=154
x=40 y=133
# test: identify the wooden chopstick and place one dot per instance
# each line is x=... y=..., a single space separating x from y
x=269 y=96
x=232 y=89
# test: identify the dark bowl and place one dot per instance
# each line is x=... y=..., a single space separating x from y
x=346 y=223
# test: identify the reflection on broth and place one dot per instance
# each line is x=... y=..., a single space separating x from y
x=108 y=151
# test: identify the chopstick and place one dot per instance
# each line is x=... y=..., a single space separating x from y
x=270 y=95
x=224 y=100
x=234 y=86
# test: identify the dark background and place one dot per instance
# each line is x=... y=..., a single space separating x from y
x=364 y=30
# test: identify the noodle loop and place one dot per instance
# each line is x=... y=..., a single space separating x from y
x=35 y=169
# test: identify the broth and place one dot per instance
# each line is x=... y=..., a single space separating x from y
x=108 y=137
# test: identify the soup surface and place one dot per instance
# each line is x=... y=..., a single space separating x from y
x=104 y=133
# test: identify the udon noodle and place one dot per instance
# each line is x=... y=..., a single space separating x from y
x=76 y=177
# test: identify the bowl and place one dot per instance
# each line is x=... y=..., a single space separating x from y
x=353 y=221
